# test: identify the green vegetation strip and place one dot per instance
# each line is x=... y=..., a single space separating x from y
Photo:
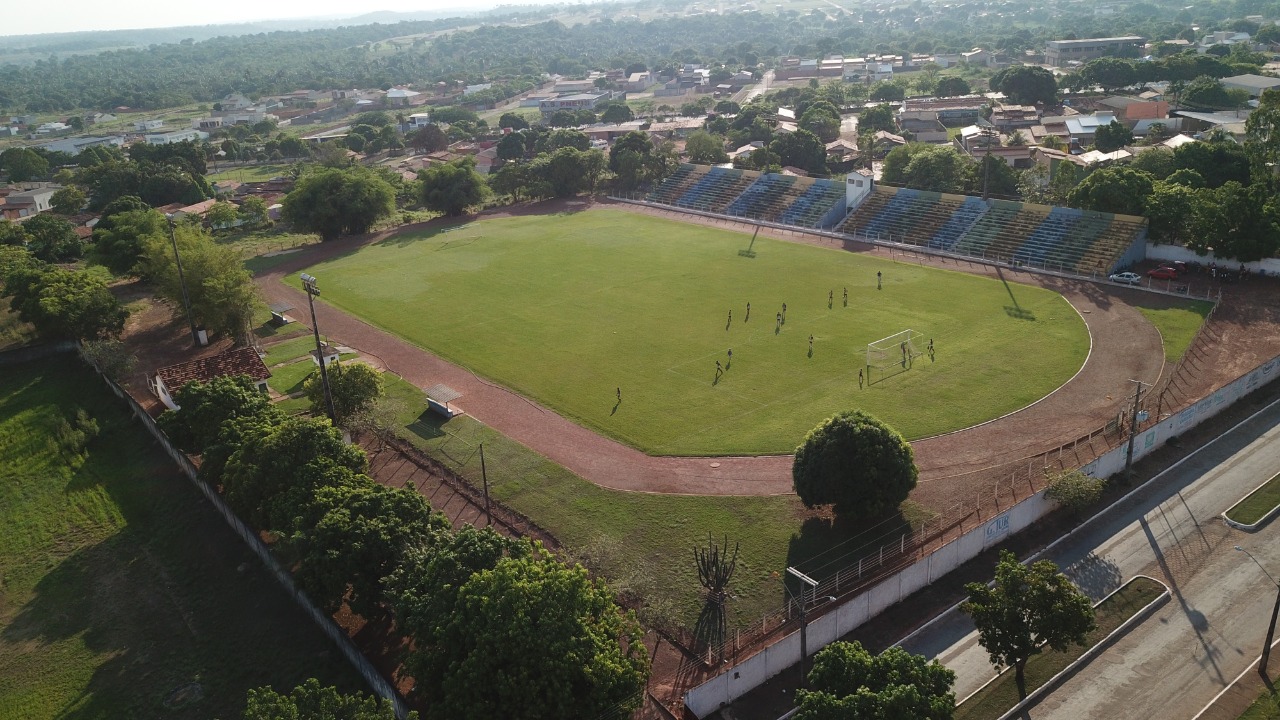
x=1266 y=707
x=642 y=542
x=125 y=595
x=568 y=308
x=1001 y=695
x=1257 y=504
x=1178 y=325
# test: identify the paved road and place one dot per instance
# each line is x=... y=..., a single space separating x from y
x=1178 y=659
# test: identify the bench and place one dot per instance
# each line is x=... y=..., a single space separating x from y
x=442 y=408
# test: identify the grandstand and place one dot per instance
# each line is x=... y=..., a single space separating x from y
x=1054 y=238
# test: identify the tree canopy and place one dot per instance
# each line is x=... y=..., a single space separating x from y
x=846 y=681
x=1026 y=84
x=219 y=287
x=1113 y=189
x=355 y=387
x=453 y=187
x=63 y=304
x=1026 y=610
x=310 y=701
x=856 y=463
x=332 y=202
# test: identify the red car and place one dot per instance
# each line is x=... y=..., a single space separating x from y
x=1163 y=273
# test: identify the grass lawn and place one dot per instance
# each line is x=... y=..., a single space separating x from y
x=1266 y=707
x=642 y=542
x=1258 y=503
x=252 y=244
x=120 y=583
x=1177 y=325
x=566 y=308
x=250 y=173
x=996 y=699
x=288 y=379
x=291 y=349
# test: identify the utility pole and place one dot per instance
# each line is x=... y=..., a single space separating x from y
x=182 y=281
x=309 y=284
x=1133 y=425
x=804 y=620
x=485 y=477
x=1271 y=629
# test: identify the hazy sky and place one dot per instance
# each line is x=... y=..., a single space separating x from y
x=75 y=15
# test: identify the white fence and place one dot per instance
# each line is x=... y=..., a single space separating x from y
x=746 y=676
x=250 y=537
x=749 y=674
x=1154 y=437
x=1176 y=252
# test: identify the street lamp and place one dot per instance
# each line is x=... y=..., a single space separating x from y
x=1271 y=628
x=309 y=284
x=182 y=281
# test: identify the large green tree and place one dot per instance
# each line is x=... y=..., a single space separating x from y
x=453 y=187
x=52 y=239
x=848 y=682
x=952 y=86
x=1262 y=137
x=1219 y=161
x=1236 y=221
x=801 y=149
x=877 y=117
x=355 y=536
x=311 y=701
x=355 y=387
x=332 y=202
x=1026 y=84
x=1027 y=609
x=856 y=463
x=118 y=239
x=220 y=289
x=63 y=304
x=68 y=200
x=205 y=407
x=704 y=148
x=1113 y=189
x=938 y=168
x=23 y=164
x=1112 y=137
x=535 y=638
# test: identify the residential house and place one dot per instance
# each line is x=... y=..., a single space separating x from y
x=417 y=121
x=147 y=125
x=1255 y=85
x=28 y=202
x=99 y=118
x=1008 y=118
x=582 y=101
x=573 y=86
x=923 y=126
x=882 y=142
x=1130 y=110
x=238 y=361
x=176 y=136
x=207 y=124
x=637 y=82
x=1223 y=37
x=52 y=127
x=77 y=145
x=402 y=97
x=977 y=57
x=1061 y=53
x=952 y=112
x=473 y=89
x=677 y=128
x=234 y=101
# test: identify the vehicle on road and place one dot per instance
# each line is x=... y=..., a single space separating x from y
x=1126 y=278
x=1163 y=273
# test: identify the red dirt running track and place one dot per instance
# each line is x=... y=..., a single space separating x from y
x=1124 y=346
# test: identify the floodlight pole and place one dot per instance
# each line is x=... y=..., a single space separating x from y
x=309 y=284
x=182 y=281
x=1133 y=425
x=1271 y=628
x=804 y=619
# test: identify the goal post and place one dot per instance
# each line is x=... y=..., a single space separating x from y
x=897 y=350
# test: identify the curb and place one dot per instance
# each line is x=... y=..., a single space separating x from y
x=1253 y=666
x=1266 y=518
x=1144 y=486
x=1088 y=655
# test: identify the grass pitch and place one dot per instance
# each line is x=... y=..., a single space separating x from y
x=568 y=308
x=123 y=591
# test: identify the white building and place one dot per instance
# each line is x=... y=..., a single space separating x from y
x=473 y=89
x=235 y=101
x=52 y=127
x=401 y=96
x=146 y=125
x=418 y=121
x=176 y=136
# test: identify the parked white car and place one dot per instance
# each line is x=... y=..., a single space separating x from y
x=1126 y=278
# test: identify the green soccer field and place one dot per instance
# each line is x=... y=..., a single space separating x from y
x=568 y=308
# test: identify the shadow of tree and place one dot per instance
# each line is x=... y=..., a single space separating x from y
x=1096 y=576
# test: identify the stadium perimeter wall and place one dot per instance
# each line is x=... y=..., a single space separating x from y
x=740 y=679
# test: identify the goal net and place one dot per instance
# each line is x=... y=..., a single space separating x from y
x=897 y=350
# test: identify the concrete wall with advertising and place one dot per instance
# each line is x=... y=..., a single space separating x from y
x=853 y=612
